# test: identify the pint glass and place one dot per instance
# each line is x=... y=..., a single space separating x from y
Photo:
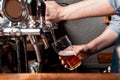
x=70 y=59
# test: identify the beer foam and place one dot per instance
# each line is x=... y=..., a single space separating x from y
x=66 y=53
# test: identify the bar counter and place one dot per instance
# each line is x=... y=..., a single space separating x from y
x=60 y=76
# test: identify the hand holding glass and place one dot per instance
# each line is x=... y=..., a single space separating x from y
x=70 y=59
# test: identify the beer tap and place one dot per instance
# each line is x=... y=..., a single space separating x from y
x=41 y=14
x=49 y=25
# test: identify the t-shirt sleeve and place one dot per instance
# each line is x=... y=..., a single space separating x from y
x=115 y=23
x=116 y=5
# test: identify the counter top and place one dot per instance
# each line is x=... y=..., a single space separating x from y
x=60 y=76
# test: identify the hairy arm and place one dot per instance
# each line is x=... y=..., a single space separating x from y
x=105 y=40
x=82 y=9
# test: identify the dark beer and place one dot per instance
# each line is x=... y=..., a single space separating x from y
x=71 y=60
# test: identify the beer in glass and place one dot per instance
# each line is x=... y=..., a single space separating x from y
x=70 y=59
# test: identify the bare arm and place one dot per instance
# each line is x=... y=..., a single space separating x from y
x=82 y=9
x=105 y=40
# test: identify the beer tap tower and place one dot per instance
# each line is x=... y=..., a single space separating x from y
x=22 y=25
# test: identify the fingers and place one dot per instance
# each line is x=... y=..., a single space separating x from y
x=63 y=62
x=70 y=48
x=47 y=14
x=52 y=11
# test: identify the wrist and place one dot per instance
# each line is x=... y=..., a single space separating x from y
x=65 y=13
x=61 y=13
x=91 y=49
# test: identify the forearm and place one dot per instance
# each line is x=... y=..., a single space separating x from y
x=86 y=8
x=106 y=39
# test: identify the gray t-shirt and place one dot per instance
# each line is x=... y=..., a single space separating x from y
x=116 y=5
x=115 y=21
x=115 y=25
